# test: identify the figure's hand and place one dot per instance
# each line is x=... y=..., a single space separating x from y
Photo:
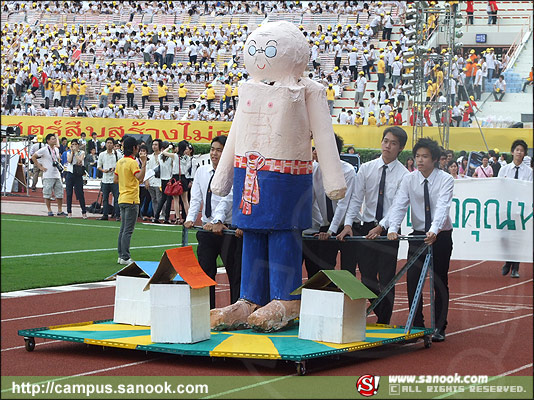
x=374 y=233
x=218 y=228
x=239 y=233
x=347 y=231
x=142 y=158
x=430 y=238
x=208 y=226
x=337 y=194
x=393 y=236
x=323 y=235
x=43 y=169
x=188 y=224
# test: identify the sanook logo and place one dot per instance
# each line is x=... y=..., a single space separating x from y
x=367 y=385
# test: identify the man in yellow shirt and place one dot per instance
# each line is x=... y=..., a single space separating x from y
x=116 y=92
x=145 y=92
x=383 y=120
x=235 y=95
x=371 y=120
x=63 y=93
x=130 y=93
x=381 y=71
x=330 y=97
x=227 y=92
x=210 y=95
x=83 y=93
x=162 y=92
x=73 y=93
x=128 y=175
x=182 y=94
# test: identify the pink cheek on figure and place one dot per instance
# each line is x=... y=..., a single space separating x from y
x=270 y=105
x=249 y=103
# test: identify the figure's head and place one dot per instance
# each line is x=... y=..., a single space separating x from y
x=275 y=51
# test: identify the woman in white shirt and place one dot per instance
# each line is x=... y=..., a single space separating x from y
x=165 y=165
x=74 y=177
x=182 y=165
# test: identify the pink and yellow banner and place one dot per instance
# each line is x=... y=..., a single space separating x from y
x=169 y=130
x=468 y=139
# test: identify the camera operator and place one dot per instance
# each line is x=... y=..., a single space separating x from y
x=49 y=162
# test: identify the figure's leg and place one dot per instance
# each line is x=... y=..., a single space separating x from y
x=285 y=275
x=254 y=285
x=255 y=268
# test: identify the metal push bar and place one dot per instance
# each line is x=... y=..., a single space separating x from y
x=428 y=267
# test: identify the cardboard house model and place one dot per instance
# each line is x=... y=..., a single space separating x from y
x=179 y=310
x=132 y=304
x=333 y=307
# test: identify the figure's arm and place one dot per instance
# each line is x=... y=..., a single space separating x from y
x=323 y=136
x=224 y=174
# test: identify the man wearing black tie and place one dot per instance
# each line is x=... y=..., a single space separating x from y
x=322 y=254
x=377 y=183
x=516 y=170
x=428 y=191
x=216 y=216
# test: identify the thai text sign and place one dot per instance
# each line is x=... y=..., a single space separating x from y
x=170 y=130
x=492 y=219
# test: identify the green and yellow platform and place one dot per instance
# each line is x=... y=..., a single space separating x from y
x=282 y=345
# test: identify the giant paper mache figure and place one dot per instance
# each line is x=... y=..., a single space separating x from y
x=268 y=158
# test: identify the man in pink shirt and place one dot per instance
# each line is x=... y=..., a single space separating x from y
x=484 y=170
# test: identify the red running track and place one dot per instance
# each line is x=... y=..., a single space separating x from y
x=489 y=333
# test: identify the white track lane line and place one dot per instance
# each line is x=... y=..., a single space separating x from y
x=474 y=294
x=36 y=344
x=56 y=313
x=92 y=250
x=158 y=229
x=75 y=310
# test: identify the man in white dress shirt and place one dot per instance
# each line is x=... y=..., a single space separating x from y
x=216 y=216
x=428 y=191
x=377 y=183
x=322 y=254
x=517 y=169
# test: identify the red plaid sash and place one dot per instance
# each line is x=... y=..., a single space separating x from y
x=254 y=162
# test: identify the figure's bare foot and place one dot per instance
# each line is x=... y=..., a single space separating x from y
x=274 y=316
x=233 y=316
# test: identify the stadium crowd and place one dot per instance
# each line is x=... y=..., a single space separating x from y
x=193 y=70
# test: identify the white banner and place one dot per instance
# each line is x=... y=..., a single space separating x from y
x=492 y=220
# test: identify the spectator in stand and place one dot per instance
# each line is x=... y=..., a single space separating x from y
x=330 y=97
x=529 y=80
x=116 y=92
x=484 y=170
x=499 y=88
x=162 y=92
x=470 y=12
x=492 y=13
x=182 y=94
x=517 y=169
x=130 y=89
x=145 y=93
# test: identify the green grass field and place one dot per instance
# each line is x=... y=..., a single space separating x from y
x=87 y=249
